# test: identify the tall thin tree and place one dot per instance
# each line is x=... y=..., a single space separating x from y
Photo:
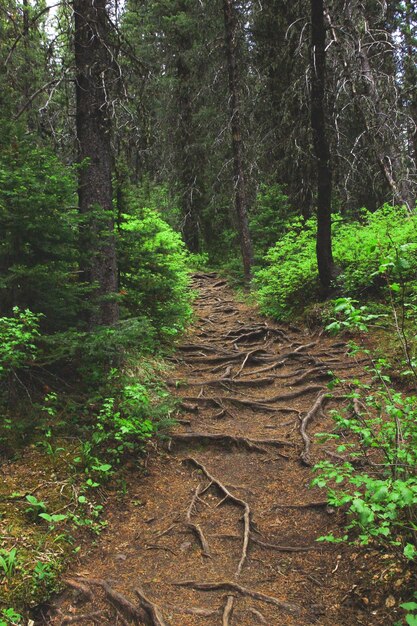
x=231 y=35
x=320 y=143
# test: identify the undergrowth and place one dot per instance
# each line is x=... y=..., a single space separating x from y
x=80 y=407
x=385 y=239
x=375 y=481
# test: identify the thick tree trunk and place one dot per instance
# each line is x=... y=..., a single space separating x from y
x=321 y=146
x=93 y=61
x=230 y=23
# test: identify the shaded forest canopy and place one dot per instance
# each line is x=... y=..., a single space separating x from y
x=273 y=141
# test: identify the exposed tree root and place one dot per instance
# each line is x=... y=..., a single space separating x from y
x=316 y=408
x=196 y=528
x=258 y=615
x=258 y=356
x=151 y=609
x=196 y=347
x=194 y=610
x=311 y=374
x=282 y=548
x=218 y=382
x=80 y=587
x=147 y=613
x=190 y=408
x=243 y=591
x=73 y=619
x=219 y=402
x=253 y=445
x=238 y=501
x=294 y=394
x=228 y=610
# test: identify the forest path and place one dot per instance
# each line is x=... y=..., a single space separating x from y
x=222 y=530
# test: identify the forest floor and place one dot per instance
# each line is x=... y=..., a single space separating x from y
x=223 y=529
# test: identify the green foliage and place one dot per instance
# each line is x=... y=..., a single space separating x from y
x=125 y=425
x=154 y=279
x=268 y=218
x=384 y=242
x=350 y=317
x=376 y=485
x=289 y=279
x=18 y=336
x=380 y=245
x=8 y=560
x=38 y=241
x=9 y=617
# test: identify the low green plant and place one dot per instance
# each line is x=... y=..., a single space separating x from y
x=8 y=560
x=43 y=572
x=376 y=485
x=153 y=271
x=36 y=506
x=9 y=617
x=350 y=316
x=380 y=505
x=123 y=426
x=53 y=519
x=18 y=337
x=411 y=608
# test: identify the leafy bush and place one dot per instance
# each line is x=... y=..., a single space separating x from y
x=153 y=275
x=289 y=279
x=18 y=335
x=364 y=252
x=386 y=238
x=380 y=504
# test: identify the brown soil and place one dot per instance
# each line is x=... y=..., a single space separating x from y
x=222 y=530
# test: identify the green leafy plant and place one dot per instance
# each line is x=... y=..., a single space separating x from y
x=43 y=572
x=268 y=217
x=350 y=316
x=364 y=251
x=54 y=518
x=18 y=336
x=9 y=617
x=8 y=559
x=36 y=506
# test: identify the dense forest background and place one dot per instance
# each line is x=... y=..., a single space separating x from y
x=273 y=141
x=229 y=119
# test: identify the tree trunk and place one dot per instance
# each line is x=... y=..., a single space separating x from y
x=186 y=159
x=321 y=146
x=93 y=62
x=230 y=23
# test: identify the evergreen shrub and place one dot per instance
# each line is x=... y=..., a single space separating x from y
x=153 y=272
x=268 y=217
x=38 y=234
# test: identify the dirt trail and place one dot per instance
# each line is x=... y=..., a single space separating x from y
x=222 y=531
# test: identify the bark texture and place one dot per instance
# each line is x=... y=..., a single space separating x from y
x=93 y=63
x=320 y=142
x=231 y=24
